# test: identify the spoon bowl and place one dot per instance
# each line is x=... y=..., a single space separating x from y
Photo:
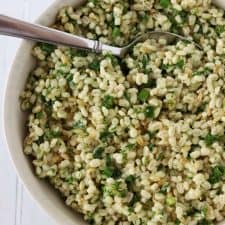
x=168 y=36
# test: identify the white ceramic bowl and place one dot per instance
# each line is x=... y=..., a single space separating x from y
x=14 y=127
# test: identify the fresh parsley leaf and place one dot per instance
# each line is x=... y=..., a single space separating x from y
x=52 y=134
x=111 y=171
x=149 y=111
x=116 y=32
x=108 y=102
x=93 y=1
x=130 y=146
x=114 y=59
x=39 y=115
x=145 y=61
x=204 y=222
x=48 y=48
x=205 y=72
x=160 y=156
x=105 y=135
x=130 y=179
x=151 y=147
x=78 y=52
x=97 y=154
x=115 y=189
x=164 y=189
x=170 y=201
x=144 y=17
x=210 y=139
x=180 y=63
x=164 y=3
x=219 y=29
x=95 y=65
x=143 y=95
x=192 y=211
x=217 y=173
x=78 y=125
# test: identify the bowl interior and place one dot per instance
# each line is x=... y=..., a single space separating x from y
x=14 y=120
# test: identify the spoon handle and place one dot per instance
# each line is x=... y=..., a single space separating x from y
x=21 y=29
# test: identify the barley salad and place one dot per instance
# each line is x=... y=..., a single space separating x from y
x=138 y=140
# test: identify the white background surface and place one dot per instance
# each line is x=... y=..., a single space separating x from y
x=16 y=206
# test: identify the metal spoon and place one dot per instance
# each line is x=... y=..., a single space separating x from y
x=21 y=29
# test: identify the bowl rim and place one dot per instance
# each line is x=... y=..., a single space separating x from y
x=56 y=218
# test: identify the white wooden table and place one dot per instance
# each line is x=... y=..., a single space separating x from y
x=16 y=206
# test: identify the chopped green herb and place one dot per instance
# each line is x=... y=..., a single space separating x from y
x=108 y=171
x=204 y=72
x=130 y=146
x=143 y=95
x=130 y=179
x=93 y=1
x=145 y=61
x=95 y=65
x=115 y=32
x=113 y=59
x=144 y=17
x=210 y=139
x=151 y=134
x=69 y=77
x=168 y=67
x=217 y=173
x=52 y=134
x=111 y=171
x=150 y=111
x=105 y=136
x=160 y=156
x=165 y=68
x=204 y=222
x=170 y=201
x=127 y=149
x=127 y=95
x=125 y=8
x=219 y=29
x=70 y=180
x=161 y=167
x=164 y=189
x=180 y=63
x=97 y=154
x=177 y=222
x=204 y=211
x=78 y=53
x=48 y=48
x=115 y=189
x=108 y=160
x=151 y=84
x=183 y=14
x=192 y=212
x=201 y=108
x=108 y=102
x=164 y=3
x=91 y=221
x=78 y=125
x=151 y=147
x=176 y=28
x=39 y=115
